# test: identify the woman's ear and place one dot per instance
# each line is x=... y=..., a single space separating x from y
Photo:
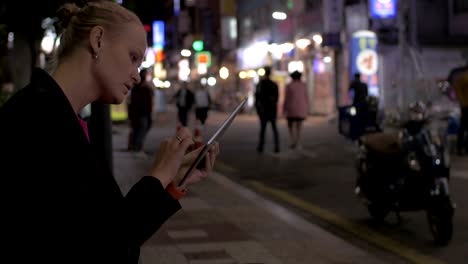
x=96 y=36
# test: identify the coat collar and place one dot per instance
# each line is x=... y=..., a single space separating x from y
x=44 y=83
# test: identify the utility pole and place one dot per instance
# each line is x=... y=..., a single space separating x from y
x=403 y=84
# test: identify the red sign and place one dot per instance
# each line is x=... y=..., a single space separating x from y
x=159 y=55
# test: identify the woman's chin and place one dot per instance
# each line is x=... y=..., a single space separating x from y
x=112 y=100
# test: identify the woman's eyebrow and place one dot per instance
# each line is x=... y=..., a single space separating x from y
x=141 y=54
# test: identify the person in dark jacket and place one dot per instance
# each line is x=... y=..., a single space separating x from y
x=59 y=202
x=360 y=90
x=140 y=111
x=184 y=101
x=361 y=93
x=266 y=101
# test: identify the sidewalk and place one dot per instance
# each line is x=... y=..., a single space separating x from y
x=223 y=222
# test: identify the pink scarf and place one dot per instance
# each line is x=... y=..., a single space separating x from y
x=84 y=126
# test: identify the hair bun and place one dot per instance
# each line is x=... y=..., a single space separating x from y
x=66 y=13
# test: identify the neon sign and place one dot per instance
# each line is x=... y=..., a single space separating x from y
x=383 y=8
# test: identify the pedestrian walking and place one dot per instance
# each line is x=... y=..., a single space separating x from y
x=140 y=111
x=296 y=108
x=60 y=202
x=161 y=104
x=458 y=79
x=202 y=106
x=184 y=100
x=360 y=93
x=266 y=101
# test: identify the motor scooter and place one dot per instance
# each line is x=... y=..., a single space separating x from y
x=407 y=170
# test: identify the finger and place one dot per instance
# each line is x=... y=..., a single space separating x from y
x=214 y=149
x=217 y=150
x=180 y=141
x=191 y=155
x=209 y=163
x=184 y=145
x=213 y=160
x=184 y=133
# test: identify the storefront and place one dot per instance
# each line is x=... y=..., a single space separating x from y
x=306 y=56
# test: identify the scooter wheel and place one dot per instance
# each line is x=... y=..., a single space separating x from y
x=377 y=212
x=441 y=225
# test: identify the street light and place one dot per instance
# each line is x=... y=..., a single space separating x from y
x=47 y=43
x=211 y=81
x=242 y=75
x=185 y=53
x=279 y=15
x=224 y=73
x=286 y=47
x=317 y=39
x=303 y=43
x=261 y=72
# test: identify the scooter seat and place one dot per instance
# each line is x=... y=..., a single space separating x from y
x=384 y=143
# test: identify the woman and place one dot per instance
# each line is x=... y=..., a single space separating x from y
x=296 y=106
x=202 y=105
x=59 y=203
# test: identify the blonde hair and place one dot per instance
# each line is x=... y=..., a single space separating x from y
x=77 y=23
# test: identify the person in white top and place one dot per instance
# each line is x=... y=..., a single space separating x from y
x=202 y=105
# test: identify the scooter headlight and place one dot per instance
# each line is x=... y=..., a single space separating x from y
x=352 y=111
x=413 y=163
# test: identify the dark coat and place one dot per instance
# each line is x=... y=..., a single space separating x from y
x=266 y=99
x=141 y=101
x=58 y=204
x=189 y=99
x=360 y=92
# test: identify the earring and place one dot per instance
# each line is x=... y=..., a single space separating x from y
x=95 y=56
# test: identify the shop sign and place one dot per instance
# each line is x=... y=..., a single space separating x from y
x=383 y=8
x=364 y=59
x=158 y=34
x=203 y=58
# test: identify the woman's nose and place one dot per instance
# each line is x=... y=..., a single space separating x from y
x=136 y=77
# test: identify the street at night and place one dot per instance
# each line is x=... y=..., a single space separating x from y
x=234 y=131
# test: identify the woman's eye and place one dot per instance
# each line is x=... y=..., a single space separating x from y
x=134 y=58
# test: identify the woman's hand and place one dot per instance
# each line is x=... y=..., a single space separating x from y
x=197 y=174
x=170 y=156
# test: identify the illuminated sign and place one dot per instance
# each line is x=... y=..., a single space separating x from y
x=383 y=8
x=176 y=7
x=364 y=59
x=159 y=55
x=198 y=45
x=203 y=58
x=158 y=34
